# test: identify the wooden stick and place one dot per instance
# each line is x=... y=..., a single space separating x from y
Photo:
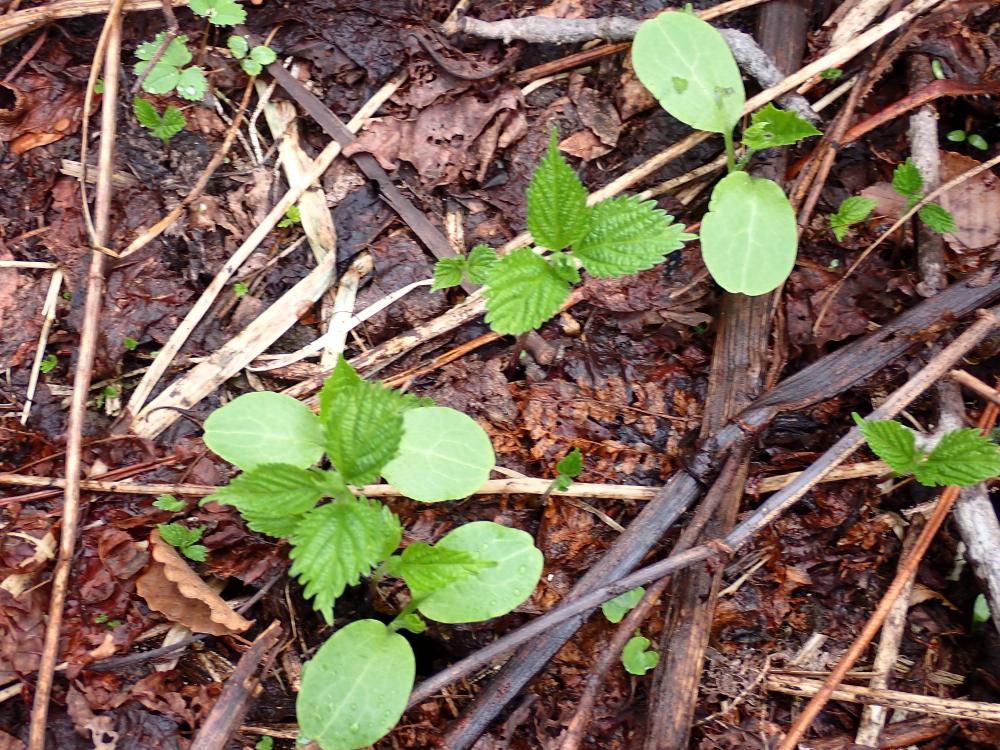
x=81 y=382
x=976 y=385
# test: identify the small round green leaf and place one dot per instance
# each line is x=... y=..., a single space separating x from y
x=263 y=54
x=356 y=686
x=251 y=67
x=192 y=84
x=161 y=79
x=688 y=67
x=489 y=592
x=444 y=455
x=749 y=235
x=265 y=428
x=238 y=45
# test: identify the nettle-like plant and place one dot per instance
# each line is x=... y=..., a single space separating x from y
x=356 y=686
x=614 y=238
x=749 y=236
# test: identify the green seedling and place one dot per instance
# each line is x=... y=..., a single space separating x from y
x=937 y=70
x=48 y=364
x=172 y=70
x=292 y=217
x=611 y=239
x=749 y=236
x=973 y=139
x=169 y=503
x=130 y=343
x=184 y=539
x=831 y=74
x=356 y=686
x=637 y=658
x=253 y=61
x=105 y=620
x=852 y=211
x=961 y=458
x=219 y=12
x=164 y=126
x=264 y=743
x=615 y=609
x=909 y=183
x=240 y=289
x=980 y=612
x=567 y=470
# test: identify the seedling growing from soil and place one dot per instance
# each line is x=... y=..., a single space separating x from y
x=973 y=139
x=909 y=183
x=962 y=457
x=164 y=126
x=172 y=70
x=356 y=686
x=615 y=609
x=168 y=503
x=292 y=217
x=852 y=211
x=637 y=658
x=749 y=235
x=253 y=61
x=614 y=238
x=184 y=539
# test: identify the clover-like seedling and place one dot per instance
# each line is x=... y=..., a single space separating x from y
x=356 y=686
x=164 y=126
x=852 y=211
x=254 y=60
x=749 y=236
x=962 y=457
x=614 y=238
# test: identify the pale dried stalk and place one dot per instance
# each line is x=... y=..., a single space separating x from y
x=13 y=25
x=49 y=315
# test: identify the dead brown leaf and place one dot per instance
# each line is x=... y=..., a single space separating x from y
x=975 y=204
x=171 y=587
x=99 y=729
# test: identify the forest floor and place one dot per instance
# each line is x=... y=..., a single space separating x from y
x=638 y=373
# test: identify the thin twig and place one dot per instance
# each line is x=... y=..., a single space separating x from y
x=975 y=384
x=81 y=380
x=49 y=315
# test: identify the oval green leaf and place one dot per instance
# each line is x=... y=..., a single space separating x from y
x=265 y=428
x=356 y=686
x=749 y=235
x=444 y=455
x=488 y=592
x=688 y=67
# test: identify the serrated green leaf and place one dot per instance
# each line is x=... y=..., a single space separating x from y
x=749 y=235
x=890 y=441
x=443 y=455
x=488 y=592
x=557 y=201
x=627 y=235
x=907 y=180
x=962 y=458
x=565 y=267
x=523 y=291
x=571 y=464
x=561 y=483
x=688 y=67
x=335 y=544
x=172 y=123
x=238 y=45
x=174 y=534
x=770 y=127
x=427 y=569
x=272 y=498
x=481 y=261
x=448 y=272
x=616 y=609
x=852 y=211
x=636 y=658
x=176 y=54
x=265 y=428
x=937 y=218
x=169 y=503
x=219 y=12
x=191 y=84
x=263 y=55
x=196 y=552
x=363 y=424
x=161 y=79
x=355 y=688
x=145 y=113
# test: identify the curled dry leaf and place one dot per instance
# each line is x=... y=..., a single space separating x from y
x=171 y=587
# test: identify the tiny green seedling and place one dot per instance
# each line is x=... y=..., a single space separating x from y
x=219 y=12
x=169 y=503
x=106 y=621
x=292 y=217
x=48 y=364
x=172 y=70
x=240 y=289
x=962 y=457
x=164 y=126
x=615 y=609
x=637 y=658
x=99 y=86
x=980 y=612
x=611 y=239
x=184 y=539
x=253 y=61
x=852 y=211
x=831 y=74
x=567 y=470
x=909 y=183
x=130 y=343
x=264 y=743
x=937 y=70
x=749 y=236
x=973 y=139
x=365 y=671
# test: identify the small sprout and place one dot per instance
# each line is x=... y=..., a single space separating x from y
x=99 y=86
x=264 y=743
x=908 y=182
x=67 y=295
x=169 y=503
x=240 y=289
x=130 y=343
x=852 y=211
x=980 y=612
x=48 y=364
x=834 y=264
x=977 y=141
x=101 y=619
x=956 y=136
x=567 y=470
x=238 y=45
x=219 y=12
x=110 y=391
x=636 y=658
x=937 y=70
x=170 y=72
x=293 y=216
x=163 y=127
x=184 y=540
x=831 y=74
x=615 y=609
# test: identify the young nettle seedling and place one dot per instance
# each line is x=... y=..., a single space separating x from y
x=356 y=686
x=749 y=235
x=909 y=183
x=611 y=239
x=852 y=211
x=164 y=126
x=962 y=457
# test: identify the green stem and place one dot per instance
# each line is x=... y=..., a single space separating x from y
x=727 y=136
x=745 y=159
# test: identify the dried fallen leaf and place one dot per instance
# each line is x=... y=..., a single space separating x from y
x=100 y=729
x=171 y=587
x=975 y=204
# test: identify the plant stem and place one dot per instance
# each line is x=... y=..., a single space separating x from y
x=727 y=136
